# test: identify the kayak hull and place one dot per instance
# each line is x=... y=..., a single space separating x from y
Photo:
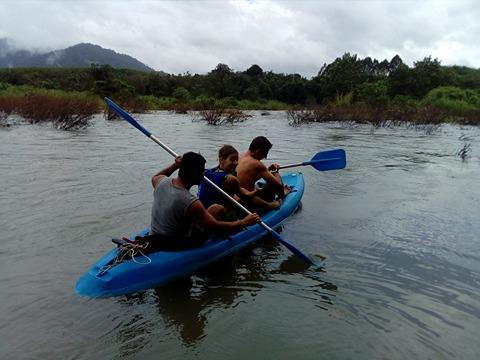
x=131 y=276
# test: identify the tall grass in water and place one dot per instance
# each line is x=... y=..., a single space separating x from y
x=64 y=110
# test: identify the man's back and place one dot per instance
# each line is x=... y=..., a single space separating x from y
x=248 y=171
x=169 y=209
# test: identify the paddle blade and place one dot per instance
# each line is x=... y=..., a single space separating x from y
x=329 y=160
x=126 y=116
x=293 y=249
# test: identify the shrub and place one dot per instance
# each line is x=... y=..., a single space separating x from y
x=373 y=93
x=453 y=100
x=65 y=112
x=220 y=116
x=343 y=99
x=204 y=102
x=158 y=103
x=181 y=94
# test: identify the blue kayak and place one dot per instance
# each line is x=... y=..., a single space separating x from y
x=129 y=276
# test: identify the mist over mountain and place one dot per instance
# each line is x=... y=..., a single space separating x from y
x=80 y=55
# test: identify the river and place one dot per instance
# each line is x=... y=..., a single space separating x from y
x=398 y=230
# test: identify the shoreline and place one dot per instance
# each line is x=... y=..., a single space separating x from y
x=69 y=110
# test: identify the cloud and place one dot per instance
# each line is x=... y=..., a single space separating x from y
x=283 y=36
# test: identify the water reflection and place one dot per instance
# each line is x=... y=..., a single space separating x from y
x=185 y=305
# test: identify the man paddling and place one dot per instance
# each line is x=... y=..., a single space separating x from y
x=250 y=169
x=178 y=217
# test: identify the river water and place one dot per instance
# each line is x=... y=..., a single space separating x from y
x=398 y=230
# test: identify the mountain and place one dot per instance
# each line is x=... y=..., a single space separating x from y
x=80 y=55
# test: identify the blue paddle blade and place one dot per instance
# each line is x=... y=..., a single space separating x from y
x=328 y=160
x=126 y=116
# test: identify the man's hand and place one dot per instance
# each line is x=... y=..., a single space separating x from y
x=251 y=219
x=274 y=168
x=178 y=161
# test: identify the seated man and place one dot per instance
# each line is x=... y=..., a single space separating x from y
x=179 y=220
x=224 y=176
x=250 y=169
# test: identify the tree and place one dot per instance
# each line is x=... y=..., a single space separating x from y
x=401 y=81
x=181 y=94
x=373 y=93
x=428 y=74
x=219 y=81
x=293 y=91
x=395 y=63
x=340 y=77
x=254 y=71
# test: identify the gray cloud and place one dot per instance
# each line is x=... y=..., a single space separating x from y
x=283 y=36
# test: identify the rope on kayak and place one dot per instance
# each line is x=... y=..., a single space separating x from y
x=127 y=251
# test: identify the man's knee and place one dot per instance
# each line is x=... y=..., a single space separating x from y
x=231 y=185
x=217 y=211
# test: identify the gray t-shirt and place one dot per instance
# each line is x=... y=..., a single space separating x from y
x=170 y=204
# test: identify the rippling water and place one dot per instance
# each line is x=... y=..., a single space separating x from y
x=399 y=231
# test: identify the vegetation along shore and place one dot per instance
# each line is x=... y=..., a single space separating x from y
x=348 y=89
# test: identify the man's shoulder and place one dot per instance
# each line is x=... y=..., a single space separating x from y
x=158 y=179
x=250 y=160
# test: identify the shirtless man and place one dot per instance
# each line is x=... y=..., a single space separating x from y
x=250 y=169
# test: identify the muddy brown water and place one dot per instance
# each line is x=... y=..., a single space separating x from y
x=399 y=231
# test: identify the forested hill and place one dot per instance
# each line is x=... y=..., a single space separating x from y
x=77 y=56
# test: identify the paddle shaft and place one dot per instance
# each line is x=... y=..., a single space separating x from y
x=305 y=163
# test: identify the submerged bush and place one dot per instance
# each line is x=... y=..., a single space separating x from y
x=221 y=116
x=362 y=113
x=64 y=112
x=3 y=118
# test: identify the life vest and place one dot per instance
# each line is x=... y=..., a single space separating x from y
x=207 y=194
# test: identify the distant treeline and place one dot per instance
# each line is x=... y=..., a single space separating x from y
x=347 y=80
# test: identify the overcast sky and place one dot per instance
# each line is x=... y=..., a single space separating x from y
x=283 y=36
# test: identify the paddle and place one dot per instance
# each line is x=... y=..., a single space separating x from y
x=324 y=161
x=148 y=134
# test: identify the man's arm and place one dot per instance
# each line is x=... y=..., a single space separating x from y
x=270 y=178
x=206 y=221
x=232 y=186
x=166 y=172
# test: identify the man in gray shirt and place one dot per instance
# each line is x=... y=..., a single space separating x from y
x=177 y=214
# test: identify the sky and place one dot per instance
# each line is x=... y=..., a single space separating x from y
x=282 y=36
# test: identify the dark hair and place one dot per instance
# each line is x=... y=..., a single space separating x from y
x=192 y=163
x=226 y=150
x=260 y=143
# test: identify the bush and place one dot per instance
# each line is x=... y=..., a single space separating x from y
x=158 y=103
x=373 y=93
x=65 y=111
x=404 y=101
x=204 y=102
x=181 y=94
x=343 y=99
x=220 y=116
x=453 y=100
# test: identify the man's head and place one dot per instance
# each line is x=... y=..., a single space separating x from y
x=192 y=168
x=259 y=147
